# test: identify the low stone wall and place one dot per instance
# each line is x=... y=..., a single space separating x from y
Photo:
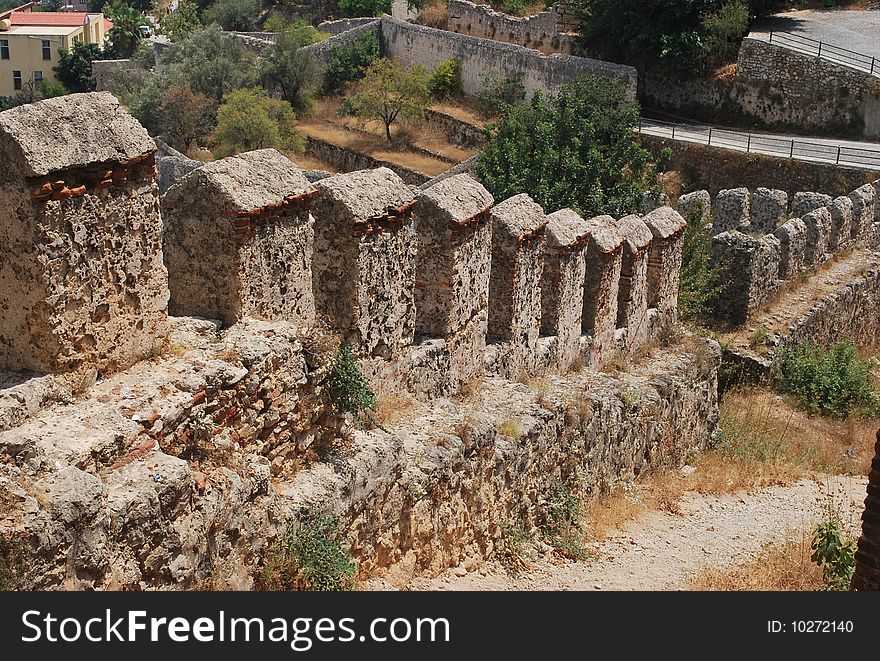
x=344 y=24
x=348 y=160
x=458 y=131
x=412 y=44
x=716 y=168
x=774 y=88
x=548 y=31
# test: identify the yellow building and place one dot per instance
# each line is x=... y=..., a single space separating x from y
x=29 y=43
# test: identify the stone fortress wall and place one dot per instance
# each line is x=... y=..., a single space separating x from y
x=764 y=240
x=194 y=430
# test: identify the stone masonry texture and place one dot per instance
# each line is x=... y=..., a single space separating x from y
x=562 y=284
x=238 y=240
x=731 y=209
x=664 y=262
x=818 y=224
x=81 y=237
x=863 y=213
x=698 y=204
x=749 y=269
x=793 y=246
x=805 y=202
x=364 y=260
x=841 y=210
x=453 y=223
x=518 y=240
x=769 y=209
x=867 y=572
x=604 y=266
x=632 y=299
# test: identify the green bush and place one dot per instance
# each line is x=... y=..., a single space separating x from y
x=561 y=525
x=836 y=557
x=445 y=81
x=350 y=390
x=309 y=555
x=832 y=382
x=358 y=8
x=499 y=91
x=350 y=63
x=724 y=30
x=699 y=283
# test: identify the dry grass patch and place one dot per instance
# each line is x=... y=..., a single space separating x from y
x=612 y=510
x=779 y=566
x=393 y=410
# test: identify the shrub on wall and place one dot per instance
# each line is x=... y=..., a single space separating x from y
x=359 y=8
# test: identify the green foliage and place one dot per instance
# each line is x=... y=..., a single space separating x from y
x=311 y=554
x=287 y=69
x=234 y=15
x=513 y=7
x=350 y=390
x=182 y=22
x=835 y=556
x=209 y=64
x=512 y=548
x=185 y=116
x=575 y=149
x=357 y=8
x=679 y=36
x=832 y=382
x=724 y=29
x=562 y=511
x=125 y=35
x=387 y=92
x=74 y=68
x=249 y=119
x=700 y=279
x=500 y=91
x=350 y=63
x=445 y=81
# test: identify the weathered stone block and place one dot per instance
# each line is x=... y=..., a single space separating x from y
x=805 y=202
x=731 y=209
x=769 y=208
x=239 y=240
x=696 y=206
x=363 y=268
x=453 y=223
x=818 y=224
x=863 y=213
x=664 y=262
x=748 y=270
x=841 y=210
x=518 y=241
x=562 y=284
x=652 y=200
x=876 y=186
x=604 y=265
x=793 y=245
x=83 y=283
x=632 y=296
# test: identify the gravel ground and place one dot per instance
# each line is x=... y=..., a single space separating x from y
x=661 y=551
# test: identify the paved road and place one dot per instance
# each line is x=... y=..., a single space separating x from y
x=861 y=155
x=857 y=31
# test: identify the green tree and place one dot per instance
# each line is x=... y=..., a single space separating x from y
x=356 y=8
x=74 y=68
x=289 y=70
x=182 y=22
x=676 y=35
x=387 y=92
x=249 y=119
x=126 y=33
x=209 y=63
x=235 y=15
x=350 y=63
x=575 y=149
x=185 y=116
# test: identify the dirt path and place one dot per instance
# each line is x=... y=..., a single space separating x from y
x=661 y=551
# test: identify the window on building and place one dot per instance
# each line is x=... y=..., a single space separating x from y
x=38 y=76
x=16 y=80
x=4 y=49
x=47 y=50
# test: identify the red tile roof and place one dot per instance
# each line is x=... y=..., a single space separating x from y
x=46 y=18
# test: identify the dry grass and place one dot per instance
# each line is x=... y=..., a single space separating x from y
x=395 y=409
x=779 y=566
x=610 y=511
x=434 y=15
x=511 y=428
